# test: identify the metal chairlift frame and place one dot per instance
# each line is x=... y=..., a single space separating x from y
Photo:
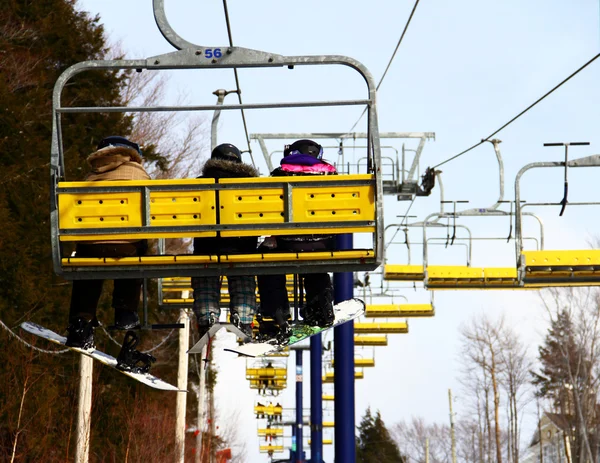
x=192 y=56
x=564 y=278
x=403 y=183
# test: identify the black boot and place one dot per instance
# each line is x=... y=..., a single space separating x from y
x=277 y=327
x=319 y=310
x=126 y=320
x=206 y=325
x=80 y=333
x=132 y=360
x=245 y=328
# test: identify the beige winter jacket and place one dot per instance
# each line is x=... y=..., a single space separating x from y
x=116 y=163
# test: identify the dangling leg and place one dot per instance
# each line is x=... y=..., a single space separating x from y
x=242 y=305
x=85 y=295
x=206 y=302
x=274 y=306
x=318 y=310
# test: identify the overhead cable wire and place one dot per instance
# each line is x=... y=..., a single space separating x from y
x=521 y=113
x=391 y=59
x=237 y=81
x=22 y=341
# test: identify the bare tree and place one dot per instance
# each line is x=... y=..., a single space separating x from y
x=482 y=346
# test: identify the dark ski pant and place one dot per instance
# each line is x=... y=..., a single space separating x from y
x=126 y=293
x=272 y=288
x=274 y=295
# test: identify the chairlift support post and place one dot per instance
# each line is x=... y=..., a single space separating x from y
x=316 y=396
x=344 y=388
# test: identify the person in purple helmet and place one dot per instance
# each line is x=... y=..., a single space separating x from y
x=303 y=157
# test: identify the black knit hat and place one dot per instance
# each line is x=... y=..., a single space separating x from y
x=118 y=141
x=227 y=152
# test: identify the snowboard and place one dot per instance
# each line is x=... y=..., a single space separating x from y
x=144 y=378
x=344 y=312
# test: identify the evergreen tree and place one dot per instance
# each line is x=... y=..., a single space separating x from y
x=38 y=41
x=374 y=443
x=566 y=378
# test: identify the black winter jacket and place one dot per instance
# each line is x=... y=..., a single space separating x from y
x=218 y=168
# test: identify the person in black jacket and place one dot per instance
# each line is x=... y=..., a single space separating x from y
x=303 y=157
x=225 y=162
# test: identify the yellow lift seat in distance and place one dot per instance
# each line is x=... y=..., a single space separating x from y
x=403 y=272
x=270 y=410
x=329 y=376
x=561 y=268
x=266 y=373
x=328 y=398
x=271 y=448
x=325 y=441
x=270 y=432
x=358 y=362
x=370 y=340
x=382 y=327
x=463 y=277
x=399 y=310
x=274 y=384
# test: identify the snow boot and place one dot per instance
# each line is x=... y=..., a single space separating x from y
x=205 y=325
x=245 y=328
x=126 y=320
x=80 y=333
x=319 y=310
x=132 y=360
x=277 y=327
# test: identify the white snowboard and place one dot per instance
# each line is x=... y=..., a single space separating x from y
x=344 y=312
x=145 y=378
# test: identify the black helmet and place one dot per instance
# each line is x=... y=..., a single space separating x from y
x=118 y=141
x=305 y=147
x=227 y=152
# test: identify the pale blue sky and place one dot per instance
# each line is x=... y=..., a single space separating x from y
x=465 y=68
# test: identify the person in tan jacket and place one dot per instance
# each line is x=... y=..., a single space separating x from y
x=116 y=158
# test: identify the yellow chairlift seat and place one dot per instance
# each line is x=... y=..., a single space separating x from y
x=271 y=448
x=329 y=376
x=463 y=277
x=370 y=340
x=325 y=441
x=328 y=424
x=270 y=432
x=266 y=373
x=399 y=310
x=358 y=362
x=561 y=268
x=328 y=397
x=403 y=272
x=382 y=327
x=130 y=210
x=268 y=410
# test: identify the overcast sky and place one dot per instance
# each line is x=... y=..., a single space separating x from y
x=464 y=69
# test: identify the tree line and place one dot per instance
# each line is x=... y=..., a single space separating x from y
x=504 y=383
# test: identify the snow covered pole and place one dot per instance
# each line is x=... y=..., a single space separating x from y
x=316 y=400
x=182 y=379
x=343 y=351
x=84 y=409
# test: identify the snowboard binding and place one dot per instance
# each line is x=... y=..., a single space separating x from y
x=132 y=360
